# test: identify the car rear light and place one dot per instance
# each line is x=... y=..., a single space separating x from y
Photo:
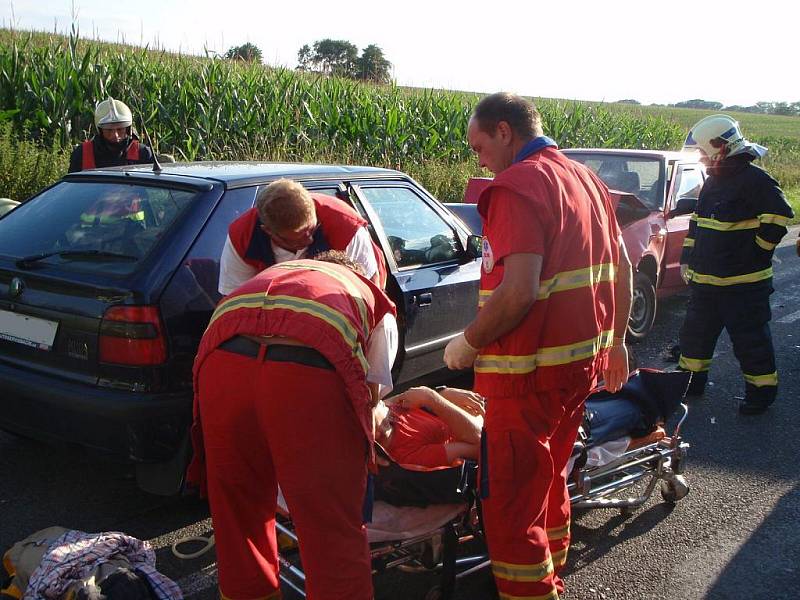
x=132 y=335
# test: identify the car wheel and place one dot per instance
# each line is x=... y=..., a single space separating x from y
x=643 y=307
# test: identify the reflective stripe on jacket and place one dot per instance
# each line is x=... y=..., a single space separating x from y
x=740 y=218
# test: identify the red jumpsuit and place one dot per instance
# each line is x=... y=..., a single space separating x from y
x=537 y=376
x=272 y=418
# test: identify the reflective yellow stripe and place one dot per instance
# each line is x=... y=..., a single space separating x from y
x=695 y=365
x=746 y=278
x=89 y=219
x=762 y=380
x=571 y=280
x=552 y=595
x=774 y=219
x=561 y=355
x=525 y=573
x=557 y=533
x=688 y=242
x=559 y=558
x=505 y=364
x=299 y=305
x=509 y=364
x=348 y=284
x=765 y=244
x=727 y=225
x=567 y=280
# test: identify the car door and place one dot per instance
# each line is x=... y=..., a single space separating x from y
x=686 y=183
x=437 y=281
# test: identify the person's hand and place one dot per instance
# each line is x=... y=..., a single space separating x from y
x=685 y=273
x=459 y=354
x=615 y=373
x=416 y=397
x=467 y=400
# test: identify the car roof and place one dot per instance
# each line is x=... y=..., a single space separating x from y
x=239 y=173
x=668 y=154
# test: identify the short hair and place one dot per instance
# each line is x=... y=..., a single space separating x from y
x=284 y=205
x=520 y=113
x=338 y=257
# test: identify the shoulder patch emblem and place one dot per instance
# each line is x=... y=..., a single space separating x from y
x=487 y=256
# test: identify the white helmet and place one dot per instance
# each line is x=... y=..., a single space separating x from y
x=719 y=136
x=112 y=113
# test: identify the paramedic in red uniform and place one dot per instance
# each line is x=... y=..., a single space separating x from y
x=553 y=309
x=288 y=223
x=115 y=144
x=286 y=377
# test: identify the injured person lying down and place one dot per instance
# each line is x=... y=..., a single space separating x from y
x=426 y=428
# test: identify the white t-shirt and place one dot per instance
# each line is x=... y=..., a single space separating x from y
x=234 y=271
x=380 y=352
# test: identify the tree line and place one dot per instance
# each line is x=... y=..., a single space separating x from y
x=764 y=108
x=329 y=57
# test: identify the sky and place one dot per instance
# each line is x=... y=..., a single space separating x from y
x=734 y=52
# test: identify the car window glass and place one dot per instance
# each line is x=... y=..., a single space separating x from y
x=114 y=224
x=415 y=232
x=642 y=176
x=690 y=183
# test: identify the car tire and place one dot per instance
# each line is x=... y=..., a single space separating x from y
x=643 y=307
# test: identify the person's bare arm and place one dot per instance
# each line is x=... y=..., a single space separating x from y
x=465 y=427
x=509 y=302
x=456 y=450
x=615 y=373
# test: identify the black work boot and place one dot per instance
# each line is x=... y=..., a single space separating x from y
x=751 y=407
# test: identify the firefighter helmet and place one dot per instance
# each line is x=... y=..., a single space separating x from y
x=719 y=136
x=112 y=113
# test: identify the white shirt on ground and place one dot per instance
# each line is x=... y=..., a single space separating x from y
x=234 y=271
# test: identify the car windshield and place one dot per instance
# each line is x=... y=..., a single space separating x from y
x=642 y=176
x=103 y=228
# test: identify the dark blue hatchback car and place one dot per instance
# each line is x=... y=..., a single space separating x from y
x=109 y=277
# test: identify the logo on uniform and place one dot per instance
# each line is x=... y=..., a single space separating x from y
x=486 y=255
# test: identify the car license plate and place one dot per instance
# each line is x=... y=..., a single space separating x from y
x=29 y=331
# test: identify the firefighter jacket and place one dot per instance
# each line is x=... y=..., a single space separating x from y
x=569 y=220
x=338 y=223
x=325 y=306
x=741 y=216
x=96 y=152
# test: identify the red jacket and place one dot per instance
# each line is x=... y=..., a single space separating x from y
x=284 y=300
x=569 y=220
x=338 y=224
x=87 y=156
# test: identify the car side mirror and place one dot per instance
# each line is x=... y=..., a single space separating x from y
x=685 y=206
x=474 y=246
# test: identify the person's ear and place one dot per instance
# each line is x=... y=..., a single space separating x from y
x=505 y=132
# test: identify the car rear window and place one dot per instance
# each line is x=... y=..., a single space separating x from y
x=639 y=175
x=96 y=227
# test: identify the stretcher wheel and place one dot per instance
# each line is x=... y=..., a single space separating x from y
x=674 y=488
x=435 y=593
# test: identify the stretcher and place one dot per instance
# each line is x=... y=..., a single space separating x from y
x=446 y=537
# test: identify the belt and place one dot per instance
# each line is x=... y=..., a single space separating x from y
x=302 y=355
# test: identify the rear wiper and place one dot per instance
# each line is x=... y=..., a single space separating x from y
x=27 y=262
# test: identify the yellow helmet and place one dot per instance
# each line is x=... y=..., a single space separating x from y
x=112 y=113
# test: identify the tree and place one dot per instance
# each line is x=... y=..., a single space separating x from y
x=698 y=103
x=335 y=57
x=304 y=58
x=373 y=66
x=247 y=52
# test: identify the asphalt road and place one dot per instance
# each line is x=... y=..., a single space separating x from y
x=734 y=536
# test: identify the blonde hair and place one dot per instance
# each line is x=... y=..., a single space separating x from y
x=284 y=205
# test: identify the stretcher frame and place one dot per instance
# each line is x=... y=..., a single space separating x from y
x=588 y=487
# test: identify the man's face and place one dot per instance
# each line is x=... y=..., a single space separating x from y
x=114 y=135
x=294 y=240
x=494 y=151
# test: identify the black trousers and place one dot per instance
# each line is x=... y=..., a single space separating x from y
x=746 y=316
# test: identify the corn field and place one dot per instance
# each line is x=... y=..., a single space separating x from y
x=211 y=108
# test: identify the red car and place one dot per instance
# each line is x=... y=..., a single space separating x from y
x=654 y=192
